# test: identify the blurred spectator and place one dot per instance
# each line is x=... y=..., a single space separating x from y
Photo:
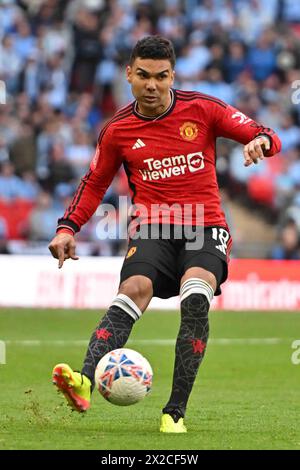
x=172 y=23
x=32 y=77
x=3 y=151
x=290 y=11
x=289 y=243
x=10 y=13
x=262 y=56
x=80 y=153
x=187 y=68
x=59 y=169
x=288 y=132
x=56 y=84
x=87 y=50
x=10 y=64
x=214 y=84
x=30 y=187
x=42 y=222
x=235 y=62
x=51 y=144
x=23 y=150
x=11 y=186
x=25 y=41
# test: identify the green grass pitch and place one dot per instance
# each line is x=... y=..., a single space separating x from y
x=246 y=396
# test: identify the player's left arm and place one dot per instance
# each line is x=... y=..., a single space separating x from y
x=259 y=141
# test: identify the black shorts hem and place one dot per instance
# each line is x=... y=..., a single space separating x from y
x=165 y=261
x=164 y=286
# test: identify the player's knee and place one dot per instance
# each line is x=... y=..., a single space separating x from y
x=210 y=278
x=137 y=288
x=200 y=274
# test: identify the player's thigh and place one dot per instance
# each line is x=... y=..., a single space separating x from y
x=155 y=260
x=212 y=258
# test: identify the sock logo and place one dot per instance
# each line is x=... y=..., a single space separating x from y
x=198 y=346
x=103 y=334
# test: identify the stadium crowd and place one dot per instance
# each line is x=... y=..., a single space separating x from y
x=62 y=62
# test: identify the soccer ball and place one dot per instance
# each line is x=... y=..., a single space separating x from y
x=123 y=377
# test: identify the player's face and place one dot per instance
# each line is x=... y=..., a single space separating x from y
x=151 y=81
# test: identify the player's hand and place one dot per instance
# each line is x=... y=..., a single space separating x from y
x=254 y=151
x=63 y=247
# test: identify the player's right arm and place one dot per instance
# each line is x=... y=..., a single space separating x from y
x=87 y=198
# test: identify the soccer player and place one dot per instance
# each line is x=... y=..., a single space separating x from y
x=166 y=140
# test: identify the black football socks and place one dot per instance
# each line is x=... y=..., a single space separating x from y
x=189 y=352
x=111 y=333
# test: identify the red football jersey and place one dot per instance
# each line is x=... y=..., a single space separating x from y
x=169 y=160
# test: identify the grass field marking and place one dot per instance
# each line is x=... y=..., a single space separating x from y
x=296 y=354
x=159 y=342
x=2 y=352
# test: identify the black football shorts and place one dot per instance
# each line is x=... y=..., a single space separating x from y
x=165 y=261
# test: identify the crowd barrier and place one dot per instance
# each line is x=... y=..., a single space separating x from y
x=91 y=282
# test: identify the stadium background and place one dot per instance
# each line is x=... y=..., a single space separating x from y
x=63 y=66
x=62 y=63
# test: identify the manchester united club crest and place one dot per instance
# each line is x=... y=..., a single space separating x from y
x=131 y=252
x=189 y=131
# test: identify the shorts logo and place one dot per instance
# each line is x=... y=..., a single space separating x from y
x=222 y=236
x=189 y=131
x=131 y=252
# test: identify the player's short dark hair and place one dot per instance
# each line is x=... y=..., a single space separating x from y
x=153 y=47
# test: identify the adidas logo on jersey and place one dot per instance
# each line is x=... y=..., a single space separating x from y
x=139 y=144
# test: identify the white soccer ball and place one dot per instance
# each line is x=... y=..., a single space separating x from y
x=123 y=377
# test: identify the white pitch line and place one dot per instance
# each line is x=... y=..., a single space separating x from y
x=149 y=342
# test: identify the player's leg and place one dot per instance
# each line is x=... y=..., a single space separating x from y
x=115 y=327
x=202 y=273
x=196 y=292
x=111 y=333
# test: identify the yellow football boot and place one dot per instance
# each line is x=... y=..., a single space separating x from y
x=167 y=424
x=75 y=387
